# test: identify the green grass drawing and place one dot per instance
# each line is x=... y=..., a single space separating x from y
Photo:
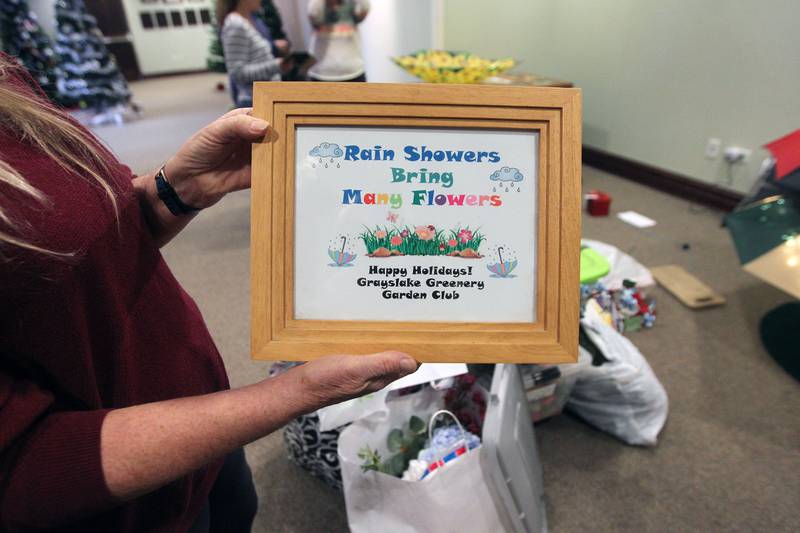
x=421 y=240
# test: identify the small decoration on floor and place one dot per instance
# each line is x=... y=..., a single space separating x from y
x=625 y=310
x=636 y=219
x=598 y=203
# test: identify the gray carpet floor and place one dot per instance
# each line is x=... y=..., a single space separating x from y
x=729 y=456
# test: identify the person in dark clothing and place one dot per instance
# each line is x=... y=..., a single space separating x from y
x=275 y=33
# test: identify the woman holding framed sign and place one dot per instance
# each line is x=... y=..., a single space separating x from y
x=115 y=409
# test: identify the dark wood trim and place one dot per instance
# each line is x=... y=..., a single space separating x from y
x=663 y=180
x=170 y=74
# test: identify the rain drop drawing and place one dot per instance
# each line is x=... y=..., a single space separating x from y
x=325 y=151
x=507 y=176
x=504 y=266
x=342 y=257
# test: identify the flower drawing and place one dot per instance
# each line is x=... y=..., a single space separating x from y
x=451 y=243
x=425 y=233
x=396 y=240
x=464 y=235
x=380 y=234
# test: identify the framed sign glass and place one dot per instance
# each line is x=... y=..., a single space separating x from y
x=439 y=220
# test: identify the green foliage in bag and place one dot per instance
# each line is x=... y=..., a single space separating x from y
x=404 y=443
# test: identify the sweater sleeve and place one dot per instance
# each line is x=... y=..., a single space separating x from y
x=236 y=44
x=50 y=463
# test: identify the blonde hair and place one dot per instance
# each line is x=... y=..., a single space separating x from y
x=37 y=123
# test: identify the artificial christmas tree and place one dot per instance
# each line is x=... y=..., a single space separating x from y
x=216 y=57
x=22 y=37
x=92 y=78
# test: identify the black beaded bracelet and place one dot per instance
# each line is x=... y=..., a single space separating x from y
x=170 y=197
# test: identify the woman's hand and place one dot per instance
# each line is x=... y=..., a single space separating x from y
x=336 y=378
x=282 y=47
x=216 y=159
x=212 y=163
x=146 y=446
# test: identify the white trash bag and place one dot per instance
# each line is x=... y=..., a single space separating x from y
x=455 y=499
x=623 y=267
x=622 y=396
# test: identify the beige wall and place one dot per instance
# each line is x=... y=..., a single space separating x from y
x=659 y=77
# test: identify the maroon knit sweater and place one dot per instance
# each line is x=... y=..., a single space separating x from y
x=108 y=328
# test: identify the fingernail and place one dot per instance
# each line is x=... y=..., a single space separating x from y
x=408 y=366
x=258 y=125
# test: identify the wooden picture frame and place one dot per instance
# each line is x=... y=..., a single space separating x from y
x=301 y=112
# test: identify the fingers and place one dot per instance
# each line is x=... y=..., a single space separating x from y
x=335 y=378
x=386 y=365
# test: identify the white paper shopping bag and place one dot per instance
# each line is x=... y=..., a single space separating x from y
x=456 y=499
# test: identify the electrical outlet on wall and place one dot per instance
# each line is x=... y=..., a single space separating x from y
x=736 y=154
x=712 y=148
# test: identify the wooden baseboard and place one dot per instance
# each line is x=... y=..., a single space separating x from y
x=171 y=74
x=663 y=180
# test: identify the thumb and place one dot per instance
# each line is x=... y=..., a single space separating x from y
x=239 y=127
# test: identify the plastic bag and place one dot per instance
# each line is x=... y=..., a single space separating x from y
x=343 y=413
x=457 y=498
x=623 y=395
x=623 y=266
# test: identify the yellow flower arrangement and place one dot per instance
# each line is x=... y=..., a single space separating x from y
x=441 y=66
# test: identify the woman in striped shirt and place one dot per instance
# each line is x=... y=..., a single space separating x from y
x=248 y=55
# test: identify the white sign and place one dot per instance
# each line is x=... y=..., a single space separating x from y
x=415 y=224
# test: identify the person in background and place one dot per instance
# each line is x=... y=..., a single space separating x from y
x=337 y=47
x=267 y=21
x=273 y=26
x=248 y=54
x=115 y=408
